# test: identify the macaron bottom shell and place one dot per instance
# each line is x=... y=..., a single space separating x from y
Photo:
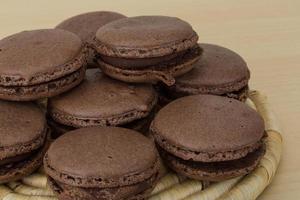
x=141 y=125
x=214 y=171
x=165 y=97
x=48 y=89
x=17 y=170
x=129 y=192
x=165 y=71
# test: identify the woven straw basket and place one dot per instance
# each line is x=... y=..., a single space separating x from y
x=171 y=187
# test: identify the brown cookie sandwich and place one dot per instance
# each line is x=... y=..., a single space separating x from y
x=107 y=163
x=40 y=63
x=219 y=71
x=102 y=101
x=147 y=48
x=23 y=142
x=209 y=137
x=86 y=25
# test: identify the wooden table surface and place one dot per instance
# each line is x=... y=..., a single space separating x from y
x=265 y=32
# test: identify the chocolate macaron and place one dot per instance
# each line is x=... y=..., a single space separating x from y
x=40 y=63
x=101 y=101
x=23 y=142
x=147 y=48
x=107 y=163
x=219 y=71
x=208 y=137
x=86 y=25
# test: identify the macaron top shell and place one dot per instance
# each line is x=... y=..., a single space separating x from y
x=101 y=157
x=86 y=25
x=209 y=124
x=145 y=36
x=32 y=57
x=217 y=67
x=100 y=97
x=22 y=129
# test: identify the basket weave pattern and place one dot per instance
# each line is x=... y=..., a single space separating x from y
x=171 y=186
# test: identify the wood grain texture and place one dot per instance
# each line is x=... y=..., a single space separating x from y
x=265 y=32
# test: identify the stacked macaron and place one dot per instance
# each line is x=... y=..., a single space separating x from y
x=23 y=142
x=147 y=48
x=101 y=101
x=213 y=138
x=40 y=63
x=102 y=163
x=147 y=70
x=219 y=71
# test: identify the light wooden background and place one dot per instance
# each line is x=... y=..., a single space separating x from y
x=265 y=32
